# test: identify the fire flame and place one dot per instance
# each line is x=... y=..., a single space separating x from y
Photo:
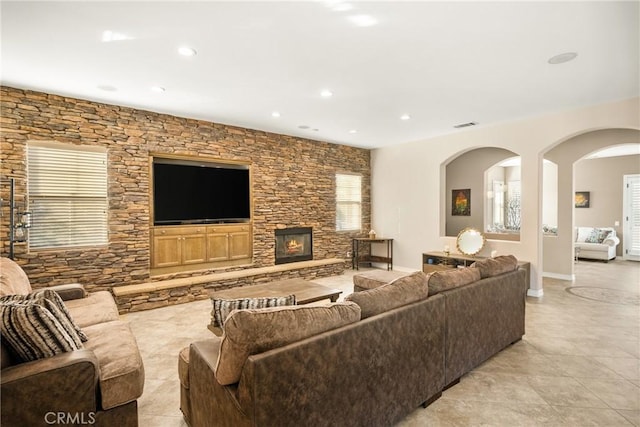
x=293 y=246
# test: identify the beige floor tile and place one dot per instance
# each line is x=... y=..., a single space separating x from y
x=618 y=394
x=585 y=417
x=628 y=368
x=159 y=421
x=565 y=391
x=520 y=364
x=493 y=387
x=632 y=416
x=164 y=400
x=583 y=367
x=445 y=412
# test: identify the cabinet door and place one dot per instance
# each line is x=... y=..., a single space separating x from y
x=217 y=247
x=194 y=248
x=167 y=251
x=240 y=245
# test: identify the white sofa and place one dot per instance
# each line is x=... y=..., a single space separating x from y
x=596 y=243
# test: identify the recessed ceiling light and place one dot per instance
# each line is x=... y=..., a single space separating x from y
x=562 y=58
x=363 y=20
x=275 y=114
x=187 y=51
x=108 y=88
x=158 y=89
x=353 y=131
x=315 y=130
x=112 y=36
x=405 y=117
x=326 y=93
x=303 y=127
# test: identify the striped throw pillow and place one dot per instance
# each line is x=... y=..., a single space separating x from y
x=222 y=307
x=36 y=330
x=50 y=295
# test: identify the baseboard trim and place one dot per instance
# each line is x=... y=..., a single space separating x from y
x=570 y=277
x=536 y=293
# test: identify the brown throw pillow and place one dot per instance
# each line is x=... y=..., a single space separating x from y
x=36 y=329
x=54 y=298
x=222 y=307
x=248 y=332
x=444 y=280
x=402 y=291
x=495 y=266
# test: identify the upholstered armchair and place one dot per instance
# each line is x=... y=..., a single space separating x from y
x=97 y=382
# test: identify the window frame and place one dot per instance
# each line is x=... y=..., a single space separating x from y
x=352 y=223
x=67 y=193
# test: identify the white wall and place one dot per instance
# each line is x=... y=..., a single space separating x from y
x=408 y=197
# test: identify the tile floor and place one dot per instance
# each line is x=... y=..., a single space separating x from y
x=577 y=365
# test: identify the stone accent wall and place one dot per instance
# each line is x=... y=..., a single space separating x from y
x=293 y=181
x=166 y=297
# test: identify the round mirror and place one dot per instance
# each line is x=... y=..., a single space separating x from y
x=470 y=241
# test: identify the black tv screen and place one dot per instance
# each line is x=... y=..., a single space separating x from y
x=199 y=193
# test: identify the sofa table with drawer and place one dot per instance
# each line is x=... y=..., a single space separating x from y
x=438 y=260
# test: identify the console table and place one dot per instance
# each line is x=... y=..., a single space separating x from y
x=438 y=260
x=359 y=257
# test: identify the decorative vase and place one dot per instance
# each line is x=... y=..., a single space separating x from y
x=372 y=234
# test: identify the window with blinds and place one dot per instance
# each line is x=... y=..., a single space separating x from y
x=348 y=202
x=67 y=188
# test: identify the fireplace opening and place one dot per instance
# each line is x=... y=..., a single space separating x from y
x=294 y=244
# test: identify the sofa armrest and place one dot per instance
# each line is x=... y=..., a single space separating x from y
x=611 y=241
x=67 y=382
x=69 y=291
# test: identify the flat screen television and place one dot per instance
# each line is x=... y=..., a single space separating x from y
x=194 y=192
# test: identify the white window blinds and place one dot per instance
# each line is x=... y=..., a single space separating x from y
x=348 y=202
x=67 y=188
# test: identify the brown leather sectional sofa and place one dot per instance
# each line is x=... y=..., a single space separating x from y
x=373 y=372
x=96 y=385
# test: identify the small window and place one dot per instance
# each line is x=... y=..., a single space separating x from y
x=67 y=187
x=348 y=202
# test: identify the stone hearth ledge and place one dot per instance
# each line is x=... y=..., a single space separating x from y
x=159 y=293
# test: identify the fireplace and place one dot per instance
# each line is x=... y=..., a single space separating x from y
x=294 y=244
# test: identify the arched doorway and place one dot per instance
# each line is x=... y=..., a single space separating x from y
x=558 y=254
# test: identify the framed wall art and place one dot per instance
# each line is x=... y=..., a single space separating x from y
x=582 y=199
x=461 y=202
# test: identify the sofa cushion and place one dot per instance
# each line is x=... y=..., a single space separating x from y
x=36 y=328
x=121 y=369
x=13 y=280
x=222 y=307
x=401 y=291
x=97 y=307
x=583 y=233
x=374 y=278
x=254 y=331
x=597 y=235
x=38 y=297
x=443 y=280
x=495 y=266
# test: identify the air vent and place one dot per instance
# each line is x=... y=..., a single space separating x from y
x=465 y=125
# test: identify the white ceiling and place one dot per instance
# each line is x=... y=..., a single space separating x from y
x=443 y=63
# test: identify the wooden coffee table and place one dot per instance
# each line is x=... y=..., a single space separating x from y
x=305 y=291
